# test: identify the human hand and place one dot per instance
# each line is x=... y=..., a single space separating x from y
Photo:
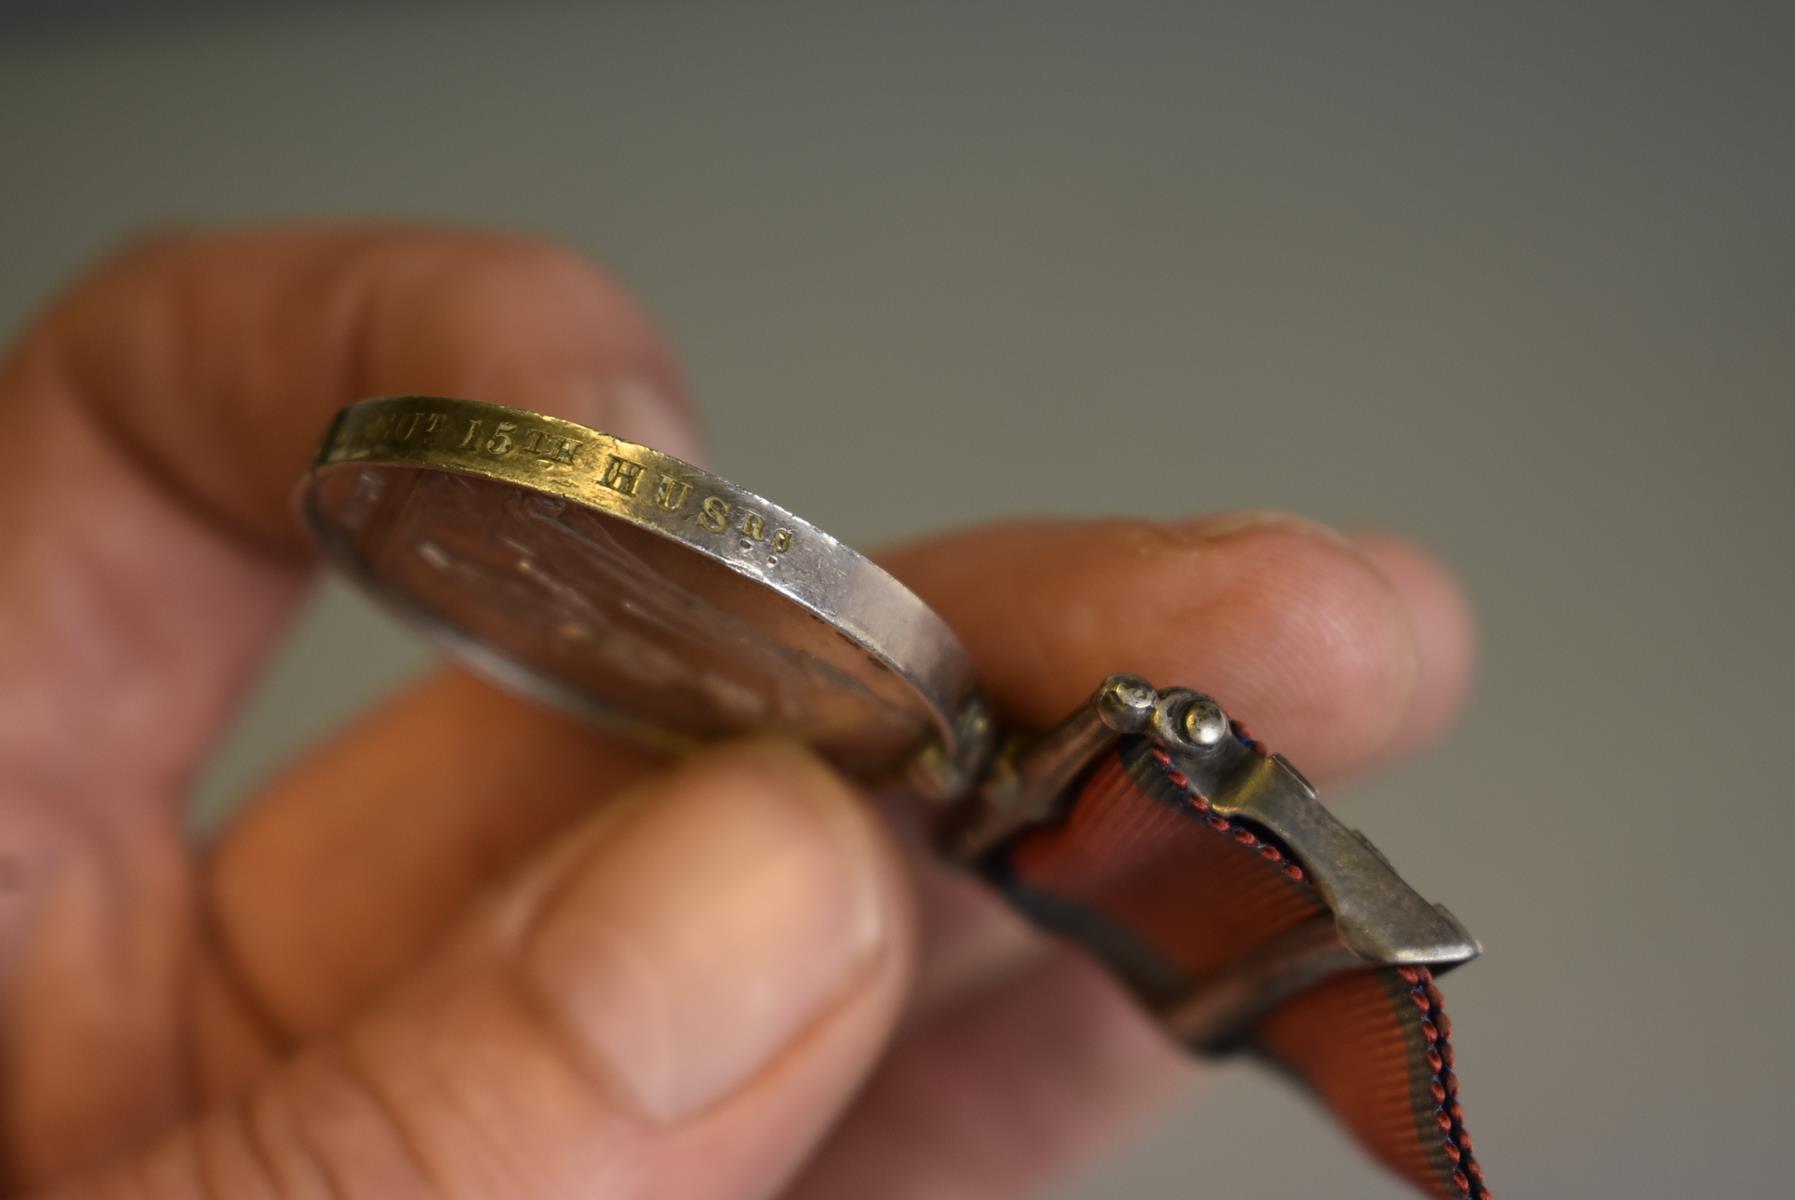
x=470 y=948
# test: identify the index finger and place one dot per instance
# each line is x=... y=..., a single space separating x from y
x=169 y=402
x=1338 y=652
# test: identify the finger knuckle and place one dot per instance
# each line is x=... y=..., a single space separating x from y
x=327 y=1128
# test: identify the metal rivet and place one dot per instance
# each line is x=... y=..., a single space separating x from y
x=1126 y=702
x=1204 y=724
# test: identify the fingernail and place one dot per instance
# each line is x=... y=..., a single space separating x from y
x=638 y=411
x=710 y=929
x=1228 y=524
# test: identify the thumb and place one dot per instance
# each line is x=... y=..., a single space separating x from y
x=675 y=1001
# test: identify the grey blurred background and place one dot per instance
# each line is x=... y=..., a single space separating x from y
x=1517 y=279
